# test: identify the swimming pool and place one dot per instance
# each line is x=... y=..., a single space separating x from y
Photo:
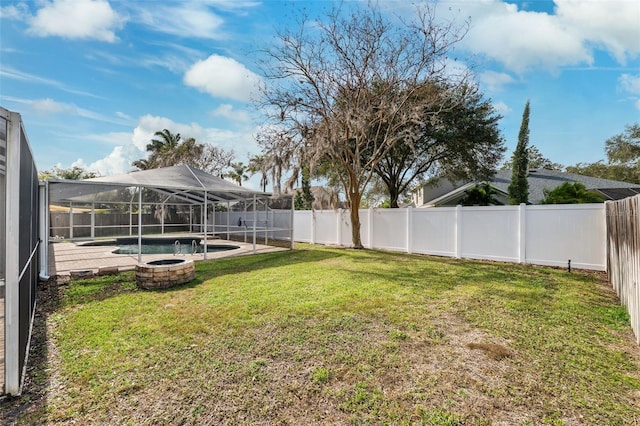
x=162 y=246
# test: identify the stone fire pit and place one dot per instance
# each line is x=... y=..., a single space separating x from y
x=165 y=273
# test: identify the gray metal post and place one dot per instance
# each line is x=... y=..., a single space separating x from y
x=228 y=218
x=44 y=231
x=266 y=221
x=12 y=265
x=70 y=220
x=205 y=224
x=255 y=219
x=93 y=220
x=139 y=224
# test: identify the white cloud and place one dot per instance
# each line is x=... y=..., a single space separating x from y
x=48 y=106
x=495 y=81
x=183 y=19
x=117 y=162
x=227 y=111
x=613 y=24
x=638 y=104
x=521 y=40
x=231 y=4
x=19 y=12
x=14 y=74
x=223 y=77
x=524 y=40
x=123 y=115
x=111 y=138
x=501 y=108
x=630 y=83
x=76 y=19
x=131 y=146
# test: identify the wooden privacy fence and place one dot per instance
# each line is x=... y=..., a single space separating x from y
x=623 y=254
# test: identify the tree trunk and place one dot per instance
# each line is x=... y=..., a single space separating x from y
x=354 y=206
x=393 y=198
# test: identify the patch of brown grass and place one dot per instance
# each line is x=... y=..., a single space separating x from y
x=493 y=350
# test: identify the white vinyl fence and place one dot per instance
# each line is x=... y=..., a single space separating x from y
x=552 y=235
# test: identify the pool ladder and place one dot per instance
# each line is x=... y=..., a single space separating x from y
x=177 y=249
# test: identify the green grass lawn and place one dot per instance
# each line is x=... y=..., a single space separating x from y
x=334 y=336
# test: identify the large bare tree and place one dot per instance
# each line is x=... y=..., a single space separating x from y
x=345 y=84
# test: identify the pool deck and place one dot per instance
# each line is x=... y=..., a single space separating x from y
x=65 y=257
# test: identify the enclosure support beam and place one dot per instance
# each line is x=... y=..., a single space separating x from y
x=93 y=220
x=255 y=219
x=266 y=221
x=12 y=265
x=139 y=224
x=244 y=216
x=162 y=218
x=228 y=218
x=71 y=221
x=44 y=230
x=205 y=223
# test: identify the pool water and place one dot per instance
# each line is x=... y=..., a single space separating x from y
x=172 y=248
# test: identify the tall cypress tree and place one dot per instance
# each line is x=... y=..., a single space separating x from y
x=519 y=186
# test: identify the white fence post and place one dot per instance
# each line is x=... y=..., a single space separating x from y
x=313 y=226
x=458 y=231
x=409 y=228
x=522 y=234
x=370 y=228
x=339 y=227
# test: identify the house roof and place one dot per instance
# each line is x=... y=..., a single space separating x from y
x=541 y=179
x=183 y=182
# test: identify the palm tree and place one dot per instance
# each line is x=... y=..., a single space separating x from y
x=280 y=155
x=481 y=195
x=258 y=164
x=238 y=172
x=163 y=150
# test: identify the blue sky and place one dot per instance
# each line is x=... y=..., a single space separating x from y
x=94 y=79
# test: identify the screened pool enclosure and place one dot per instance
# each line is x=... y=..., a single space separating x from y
x=170 y=200
x=20 y=247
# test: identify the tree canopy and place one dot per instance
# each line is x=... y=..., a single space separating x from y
x=345 y=84
x=623 y=158
x=169 y=149
x=462 y=142
x=536 y=160
x=71 y=173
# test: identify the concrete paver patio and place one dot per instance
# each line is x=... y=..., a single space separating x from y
x=65 y=257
